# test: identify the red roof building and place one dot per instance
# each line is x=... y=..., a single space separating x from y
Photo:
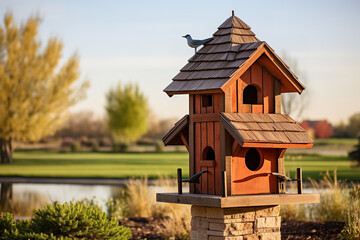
x=318 y=129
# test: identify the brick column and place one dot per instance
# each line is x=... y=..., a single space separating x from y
x=246 y=223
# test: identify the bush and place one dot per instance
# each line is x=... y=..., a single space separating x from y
x=75 y=146
x=64 y=221
x=159 y=146
x=355 y=155
x=94 y=145
x=120 y=147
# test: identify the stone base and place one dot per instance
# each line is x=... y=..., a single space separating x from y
x=245 y=223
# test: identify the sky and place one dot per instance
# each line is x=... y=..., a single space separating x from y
x=140 y=42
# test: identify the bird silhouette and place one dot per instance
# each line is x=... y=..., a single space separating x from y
x=196 y=43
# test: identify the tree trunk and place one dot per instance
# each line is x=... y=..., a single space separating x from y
x=6 y=150
x=6 y=195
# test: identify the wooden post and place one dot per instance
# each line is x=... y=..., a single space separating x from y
x=179 y=179
x=224 y=187
x=299 y=180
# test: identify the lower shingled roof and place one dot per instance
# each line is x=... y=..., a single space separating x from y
x=249 y=129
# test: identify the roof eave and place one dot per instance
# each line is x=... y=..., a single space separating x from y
x=215 y=90
x=285 y=73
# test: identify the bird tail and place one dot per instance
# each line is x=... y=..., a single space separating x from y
x=208 y=40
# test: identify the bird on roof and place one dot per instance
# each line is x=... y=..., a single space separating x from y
x=196 y=43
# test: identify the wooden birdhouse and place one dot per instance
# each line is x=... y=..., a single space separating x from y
x=235 y=132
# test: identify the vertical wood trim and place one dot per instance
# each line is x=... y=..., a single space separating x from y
x=281 y=163
x=191 y=141
x=234 y=97
x=217 y=102
x=210 y=142
x=242 y=83
x=217 y=143
x=203 y=179
x=197 y=155
x=277 y=93
x=228 y=101
x=197 y=103
x=228 y=162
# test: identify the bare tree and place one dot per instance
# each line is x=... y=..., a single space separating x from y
x=292 y=103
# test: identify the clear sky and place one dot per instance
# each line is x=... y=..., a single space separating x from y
x=140 y=41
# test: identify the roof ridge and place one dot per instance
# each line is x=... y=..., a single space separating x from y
x=235 y=31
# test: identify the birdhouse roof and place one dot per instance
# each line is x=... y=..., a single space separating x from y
x=265 y=130
x=250 y=130
x=231 y=52
x=173 y=136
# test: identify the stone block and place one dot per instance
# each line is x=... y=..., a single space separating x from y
x=244 y=214
x=232 y=233
x=214 y=212
x=226 y=238
x=251 y=237
x=198 y=211
x=228 y=220
x=270 y=236
x=232 y=226
x=267 y=222
x=267 y=230
x=263 y=236
x=199 y=223
x=267 y=211
x=198 y=235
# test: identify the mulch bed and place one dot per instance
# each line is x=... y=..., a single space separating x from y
x=293 y=229
x=150 y=228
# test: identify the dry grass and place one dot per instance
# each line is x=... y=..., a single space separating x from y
x=351 y=230
x=24 y=203
x=177 y=225
x=139 y=200
x=337 y=203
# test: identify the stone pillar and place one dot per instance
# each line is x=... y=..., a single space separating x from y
x=246 y=223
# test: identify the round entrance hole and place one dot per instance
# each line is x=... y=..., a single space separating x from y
x=253 y=160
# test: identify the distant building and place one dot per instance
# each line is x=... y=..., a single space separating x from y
x=318 y=129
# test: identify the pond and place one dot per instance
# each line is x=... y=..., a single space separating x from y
x=22 y=198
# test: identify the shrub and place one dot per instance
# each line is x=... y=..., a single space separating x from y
x=7 y=223
x=115 y=208
x=120 y=147
x=355 y=155
x=94 y=145
x=159 y=146
x=65 y=221
x=75 y=146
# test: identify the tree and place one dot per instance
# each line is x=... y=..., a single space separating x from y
x=293 y=103
x=35 y=92
x=353 y=127
x=83 y=124
x=355 y=155
x=127 y=111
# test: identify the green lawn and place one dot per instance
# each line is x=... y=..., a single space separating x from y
x=102 y=165
x=313 y=165
x=152 y=165
x=336 y=141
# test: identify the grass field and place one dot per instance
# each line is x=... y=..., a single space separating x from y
x=152 y=165
x=336 y=141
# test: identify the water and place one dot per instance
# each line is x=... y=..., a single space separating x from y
x=65 y=192
x=26 y=196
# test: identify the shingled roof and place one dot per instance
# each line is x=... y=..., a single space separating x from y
x=267 y=129
x=213 y=65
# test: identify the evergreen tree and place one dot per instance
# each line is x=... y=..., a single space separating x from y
x=34 y=91
x=355 y=155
